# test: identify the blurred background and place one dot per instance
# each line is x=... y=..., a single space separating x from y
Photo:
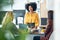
x=18 y=9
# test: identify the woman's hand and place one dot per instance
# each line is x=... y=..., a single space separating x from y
x=42 y=38
x=36 y=27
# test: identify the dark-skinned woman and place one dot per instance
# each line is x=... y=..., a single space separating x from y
x=49 y=29
x=31 y=16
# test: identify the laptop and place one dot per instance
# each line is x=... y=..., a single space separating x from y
x=31 y=25
x=22 y=26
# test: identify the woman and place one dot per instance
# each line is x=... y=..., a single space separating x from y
x=7 y=18
x=49 y=29
x=31 y=16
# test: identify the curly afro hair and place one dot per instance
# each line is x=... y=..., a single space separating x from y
x=32 y=4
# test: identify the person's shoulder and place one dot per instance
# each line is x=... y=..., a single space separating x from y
x=35 y=13
x=26 y=13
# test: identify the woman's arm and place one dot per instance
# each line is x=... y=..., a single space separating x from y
x=37 y=20
x=25 y=19
x=49 y=34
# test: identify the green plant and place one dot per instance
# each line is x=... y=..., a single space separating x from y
x=2 y=37
x=2 y=14
x=10 y=28
x=10 y=31
x=9 y=35
x=23 y=33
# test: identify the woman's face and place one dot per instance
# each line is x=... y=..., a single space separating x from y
x=30 y=8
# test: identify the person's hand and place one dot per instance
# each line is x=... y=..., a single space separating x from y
x=42 y=38
x=32 y=27
x=47 y=37
x=36 y=27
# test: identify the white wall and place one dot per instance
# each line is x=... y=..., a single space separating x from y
x=19 y=4
x=57 y=19
x=50 y=4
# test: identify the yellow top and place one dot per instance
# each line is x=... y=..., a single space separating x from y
x=31 y=18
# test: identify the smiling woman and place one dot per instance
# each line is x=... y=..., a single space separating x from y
x=31 y=16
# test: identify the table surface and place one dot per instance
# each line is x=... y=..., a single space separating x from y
x=31 y=36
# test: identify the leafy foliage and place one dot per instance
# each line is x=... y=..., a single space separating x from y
x=2 y=14
x=9 y=30
x=2 y=37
